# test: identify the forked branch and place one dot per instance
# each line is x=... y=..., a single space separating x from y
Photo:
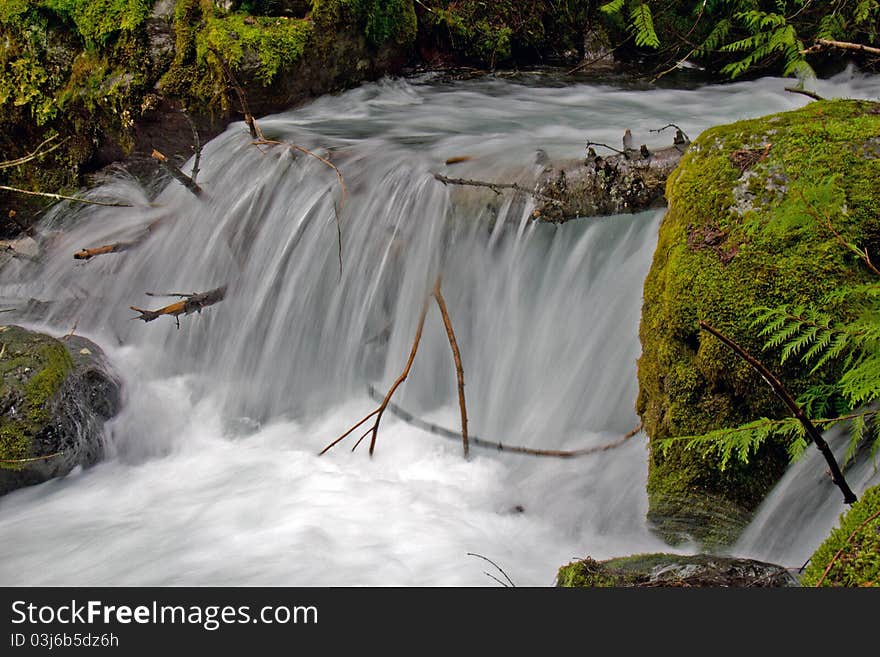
x=373 y=431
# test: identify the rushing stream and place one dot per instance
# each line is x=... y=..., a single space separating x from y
x=213 y=476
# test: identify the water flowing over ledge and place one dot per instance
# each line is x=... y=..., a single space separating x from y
x=214 y=477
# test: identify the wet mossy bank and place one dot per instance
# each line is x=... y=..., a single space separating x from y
x=108 y=78
x=740 y=233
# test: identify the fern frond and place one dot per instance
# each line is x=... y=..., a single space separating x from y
x=642 y=25
x=613 y=7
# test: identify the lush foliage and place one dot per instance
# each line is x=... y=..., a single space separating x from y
x=834 y=339
x=735 y=239
x=745 y=34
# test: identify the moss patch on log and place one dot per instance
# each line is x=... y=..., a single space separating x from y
x=738 y=236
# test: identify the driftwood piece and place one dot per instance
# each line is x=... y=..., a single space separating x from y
x=598 y=185
x=176 y=173
x=188 y=304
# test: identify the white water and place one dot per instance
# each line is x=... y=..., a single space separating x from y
x=213 y=476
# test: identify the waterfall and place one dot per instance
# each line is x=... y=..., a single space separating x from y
x=213 y=475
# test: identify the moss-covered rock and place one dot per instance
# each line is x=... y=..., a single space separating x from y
x=739 y=235
x=651 y=570
x=850 y=556
x=54 y=399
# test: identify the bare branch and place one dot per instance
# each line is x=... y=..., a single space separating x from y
x=804 y=92
x=456 y=355
x=782 y=393
x=61 y=197
x=190 y=303
x=822 y=44
x=37 y=152
x=496 y=187
x=176 y=173
x=500 y=569
x=473 y=441
x=197 y=146
x=374 y=430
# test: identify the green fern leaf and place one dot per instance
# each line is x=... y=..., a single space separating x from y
x=642 y=24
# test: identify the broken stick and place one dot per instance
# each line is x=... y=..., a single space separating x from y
x=176 y=173
x=189 y=303
x=496 y=187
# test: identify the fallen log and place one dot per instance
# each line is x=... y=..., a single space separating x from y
x=188 y=304
x=624 y=182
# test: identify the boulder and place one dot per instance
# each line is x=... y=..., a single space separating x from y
x=738 y=235
x=674 y=570
x=55 y=396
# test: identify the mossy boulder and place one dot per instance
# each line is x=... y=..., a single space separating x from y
x=54 y=398
x=850 y=556
x=745 y=228
x=672 y=570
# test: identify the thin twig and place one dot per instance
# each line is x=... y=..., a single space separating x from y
x=456 y=355
x=671 y=125
x=610 y=148
x=474 y=441
x=30 y=460
x=176 y=173
x=197 y=146
x=37 y=152
x=336 y=209
x=824 y=218
x=804 y=92
x=374 y=430
x=496 y=187
x=61 y=197
x=780 y=390
x=500 y=569
x=255 y=131
x=845 y=545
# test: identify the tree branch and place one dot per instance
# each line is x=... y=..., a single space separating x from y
x=473 y=441
x=456 y=355
x=190 y=303
x=61 y=197
x=496 y=187
x=804 y=92
x=782 y=393
x=176 y=173
x=374 y=430
x=822 y=44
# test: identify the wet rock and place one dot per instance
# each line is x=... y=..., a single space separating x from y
x=674 y=570
x=55 y=396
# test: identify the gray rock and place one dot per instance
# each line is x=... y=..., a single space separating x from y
x=675 y=570
x=55 y=396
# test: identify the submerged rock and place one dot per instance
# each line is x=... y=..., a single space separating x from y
x=54 y=398
x=739 y=235
x=674 y=570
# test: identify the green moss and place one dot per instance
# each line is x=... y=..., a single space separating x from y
x=731 y=242
x=854 y=548
x=277 y=42
x=32 y=369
